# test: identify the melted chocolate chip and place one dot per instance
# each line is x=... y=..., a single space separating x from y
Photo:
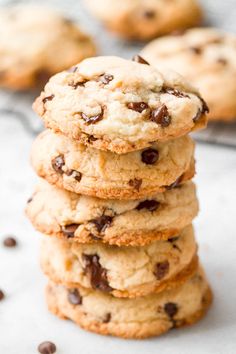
x=102 y=222
x=97 y=274
x=161 y=116
x=75 y=174
x=74 y=297
x=150 y=156
x=140 y=60
x=9 y=242
x=171 y=309
x=107 y=317
x=69 y=230
x=92 y=119
x=57 y=164
x=106 y=78
x=174 y=92
x=196 y=50
x=47 y=348
x=2 y=295
x=135 y=183
x=150 y=205
x=48 y=98
x=161 y=269
x=137 y=106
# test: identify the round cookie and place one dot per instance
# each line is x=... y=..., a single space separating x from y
x=120 y=105
x=141 y=317
x=121 y=271
x=35 y=43
x=84 y=219
x=205 y=56
x=73 y=166
x=142 y=19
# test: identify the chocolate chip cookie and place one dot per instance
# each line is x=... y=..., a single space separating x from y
x=120 y=105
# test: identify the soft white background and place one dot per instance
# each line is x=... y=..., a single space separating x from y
x=24 y=320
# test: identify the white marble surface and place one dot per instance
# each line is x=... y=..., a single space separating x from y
x=24 y=320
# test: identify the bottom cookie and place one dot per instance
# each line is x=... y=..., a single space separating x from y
x=141 y=317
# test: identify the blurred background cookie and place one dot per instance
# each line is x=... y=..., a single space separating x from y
x=205 y=56
x=35 y=43
x=142 y=20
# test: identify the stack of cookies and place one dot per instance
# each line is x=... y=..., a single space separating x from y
x=116 y=197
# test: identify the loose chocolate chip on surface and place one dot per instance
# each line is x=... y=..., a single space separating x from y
x=150 y=205
x=74 y=297
x=2 y=295
x=150 y=156
x=137 y=106
x=97 y=274
x=107 y=317
x=102 y=222
x=57 y=163
x=93 y=119
x=196 y=50
x=47 y=348
x=174 y=92
x=135 y=183
x=140 y=60
x=106 y=78
x=161 y=269
x=48 y=98
x=75 y=174
x=69 y=230
x=9 y=242
x=161 y=116
x=171 y=309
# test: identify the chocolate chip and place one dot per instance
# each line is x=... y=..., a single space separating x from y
x=196 y=50
x=174 y=92
x=173 y=239
x=175 y=184
x=161 y=269
x=107 y=317
x=150 y=14
x=150 y=205
x=48 y=98
x=135 y=183
x=161 y=116
x=171 y=309
x=140 y=60
x=106 y=78
x=91 y=138
x=75 y=174
x=150 y=156
x=205 y=108
x=9 y=242
x=97 y=274
x=47 y=348
x=74 y=297
x=197 y=116
x=76 y=84
x=222 y=61
x=73 y=69
x=137 y=106
x=102 y=222
x=57 y=164
x=69 y=230
x=92 y=119
x=29 y=200
x=2 y=295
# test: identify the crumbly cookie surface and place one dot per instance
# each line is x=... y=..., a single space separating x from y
x=206 y=57
x=120 y=105
x=35 y=43
x=142 y=19
x=84 y=219
x=121 y=271
x=80 y=169
x=157 y=313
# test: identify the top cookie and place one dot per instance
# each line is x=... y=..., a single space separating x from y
x=35 y=43
x=120 y=105
x=205 y=56
x=142 y=19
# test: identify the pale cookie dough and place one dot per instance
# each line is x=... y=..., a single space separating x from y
x=120 y=105
x=37 y=42
x=145 y=19
x=121 y=271
x=84 y=219
x=141 y=317
x=80 y=169
x=207 y=57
